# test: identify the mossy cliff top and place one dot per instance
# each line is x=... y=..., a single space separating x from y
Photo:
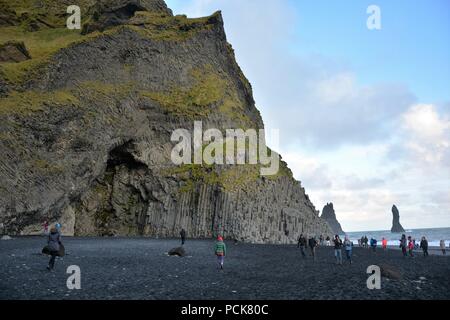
x=41 y=26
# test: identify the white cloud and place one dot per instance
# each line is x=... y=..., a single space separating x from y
x=427 y=134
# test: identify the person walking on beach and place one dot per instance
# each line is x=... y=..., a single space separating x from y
x=416 y=245
x=220 y=250
x=442 y=245
x=384 y=244
x=366 y=242
x=328 y=241
x=403 y=245
x=183 y=236
x=321 y=240
x=424 y=246
x=302 y=245
x=53 y=246
x=373 y=244
x=338 y=249
x=410 y=247
x=45 y=226
x=348 y=245
x=312 y=242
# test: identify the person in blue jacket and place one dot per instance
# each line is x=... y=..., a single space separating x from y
x=373 y=244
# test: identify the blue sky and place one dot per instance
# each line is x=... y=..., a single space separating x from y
x=413 y=46
x=364 y=116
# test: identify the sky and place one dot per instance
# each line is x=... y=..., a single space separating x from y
x=364 y=115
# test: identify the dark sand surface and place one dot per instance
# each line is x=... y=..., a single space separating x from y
x=117 y=268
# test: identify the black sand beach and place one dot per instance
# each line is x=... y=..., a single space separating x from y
x=116 y=268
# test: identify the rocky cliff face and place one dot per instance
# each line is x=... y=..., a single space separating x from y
x=86 y=120
x=329 y=216
x=396 y=226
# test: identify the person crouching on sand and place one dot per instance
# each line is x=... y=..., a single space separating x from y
x=424 y=246
x=220 y=249
x=348 y=245
x=338 y=249
x=442 y=245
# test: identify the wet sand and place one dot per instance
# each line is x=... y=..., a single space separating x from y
x=118 y=268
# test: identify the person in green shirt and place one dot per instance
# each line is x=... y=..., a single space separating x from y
x=220 y=249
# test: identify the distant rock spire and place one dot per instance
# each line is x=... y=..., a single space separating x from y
x=396 y=226
x=329 y=216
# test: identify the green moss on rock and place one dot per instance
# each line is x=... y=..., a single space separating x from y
x=32 y=101
x=41 y=45
x=156 y=26
x=210 y=92
x=47 y=166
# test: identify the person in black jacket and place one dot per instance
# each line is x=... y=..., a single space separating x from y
x=312 y=242
x=338 y=249
x=53 y=245
x=302 y=245
x=183 y=236
x=424 y=246
x=404 y=245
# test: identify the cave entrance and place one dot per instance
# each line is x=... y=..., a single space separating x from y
x=128 y=11
x=117 y=16
x=123 y=155
x=124 y=208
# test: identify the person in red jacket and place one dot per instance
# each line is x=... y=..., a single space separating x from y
x=410 y=247
x=384 y=243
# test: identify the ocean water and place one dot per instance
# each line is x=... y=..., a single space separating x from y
x=434 y=236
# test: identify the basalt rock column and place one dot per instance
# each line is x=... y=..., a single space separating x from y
x=396 y=226
x=329 y=216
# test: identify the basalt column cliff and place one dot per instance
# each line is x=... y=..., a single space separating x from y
x=86 y=118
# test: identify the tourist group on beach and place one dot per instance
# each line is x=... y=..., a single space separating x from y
x=312 y=243
x=407 y=245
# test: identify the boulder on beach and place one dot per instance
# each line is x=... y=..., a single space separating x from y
x=6 y=237
x=180 y=252
x=390 y=272
x=396 y=226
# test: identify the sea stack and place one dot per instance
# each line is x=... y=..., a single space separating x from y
x=396 y=226
x=329 y=216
